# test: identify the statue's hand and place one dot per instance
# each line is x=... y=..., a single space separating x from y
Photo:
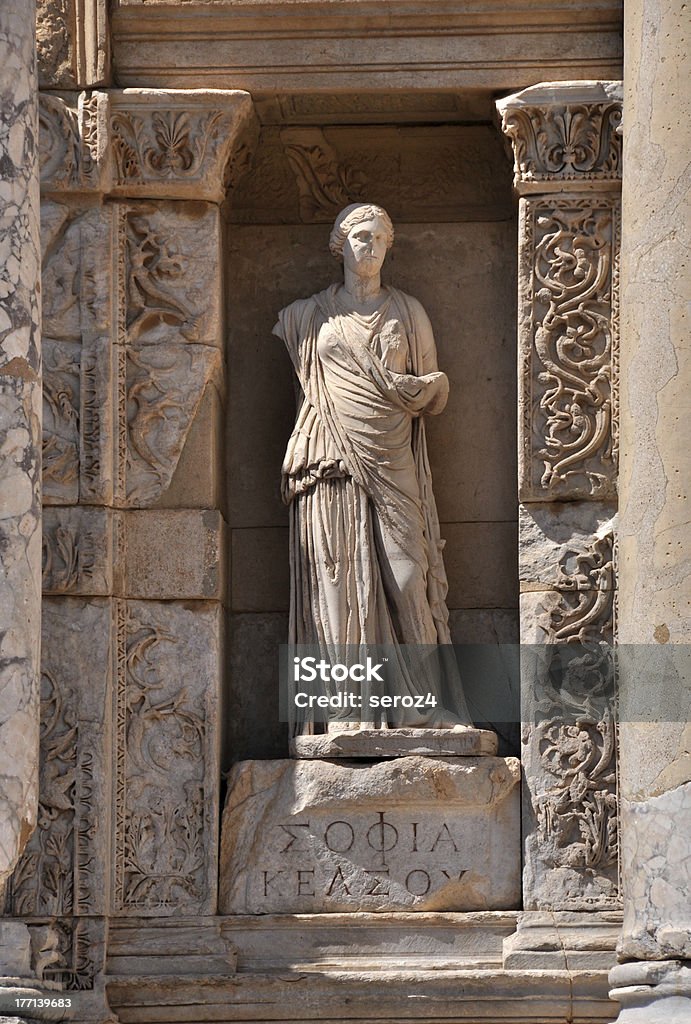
x=425 y=394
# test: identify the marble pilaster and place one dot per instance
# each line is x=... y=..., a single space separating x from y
x=653 y=980
x=566 y=153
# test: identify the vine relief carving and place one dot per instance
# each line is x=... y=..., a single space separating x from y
x=575 y=730
x=161 y=851
x=43 y=881
x=570 y=260
x=568 y=142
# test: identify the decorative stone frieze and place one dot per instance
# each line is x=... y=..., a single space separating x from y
x=570 y=817
x=63 y=870
x=177 y=143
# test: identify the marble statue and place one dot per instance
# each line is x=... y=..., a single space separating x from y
x=365 y=547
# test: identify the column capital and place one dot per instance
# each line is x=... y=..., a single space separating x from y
x=564 y=136
x=180 y=143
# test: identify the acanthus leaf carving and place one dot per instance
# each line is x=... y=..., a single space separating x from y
x=567 y=142
x=73 y=142
x=163 y=145
x=325 y=184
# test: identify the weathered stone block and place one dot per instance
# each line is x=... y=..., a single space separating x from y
x=174 y=554
x=79 y=551
x=414 y=834
x=556 y=539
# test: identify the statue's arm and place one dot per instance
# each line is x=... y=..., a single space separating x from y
x=429 y=367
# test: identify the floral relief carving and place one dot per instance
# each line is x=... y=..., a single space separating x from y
x=60 y=422
x=161 y=858
x=571 y=400
x=569 y=141
x=43 y=881
x=165 y=144
x=575 y=733
x=154 y=266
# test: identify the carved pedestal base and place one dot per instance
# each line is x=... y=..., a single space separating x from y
x=381 y=743
x=418 y=833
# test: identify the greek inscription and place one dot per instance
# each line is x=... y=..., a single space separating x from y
x=444 y=837
x=338 y=879
x=377 y=881
x=306 y=884
x=294 y=837
x=418 y=882
x=341 y=834
x=269 y=879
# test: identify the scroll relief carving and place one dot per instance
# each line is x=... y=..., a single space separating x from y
x=166 y=263
x=570 y=354
x=162 y=841
x=568 y=142
x=576 y=732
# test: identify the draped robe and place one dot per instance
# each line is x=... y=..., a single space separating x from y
x=366 y=551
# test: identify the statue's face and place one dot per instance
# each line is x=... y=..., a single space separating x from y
x=365 y=247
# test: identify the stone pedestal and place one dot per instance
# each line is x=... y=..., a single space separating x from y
x=383 y=743
x=417 y=833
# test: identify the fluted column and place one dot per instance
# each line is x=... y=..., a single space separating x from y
x=653 y=981
x=20 y=433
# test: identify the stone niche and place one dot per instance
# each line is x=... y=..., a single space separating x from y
x=447 y=187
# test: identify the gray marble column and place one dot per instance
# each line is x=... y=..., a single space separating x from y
x=20 y=432
x=653 y=981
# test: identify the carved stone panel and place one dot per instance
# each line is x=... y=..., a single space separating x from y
x=63 y=870
x=73 y=142
x=80 y=551
x=416 y=833
x=568 y=338
x=177 y=143
x=167 y=758
x=168 y=333
x=78 y=429
x=426 y=175
x=570 y=819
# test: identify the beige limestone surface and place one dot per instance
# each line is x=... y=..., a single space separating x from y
x=655 y=578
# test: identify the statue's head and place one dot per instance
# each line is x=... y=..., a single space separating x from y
x=354 y=216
